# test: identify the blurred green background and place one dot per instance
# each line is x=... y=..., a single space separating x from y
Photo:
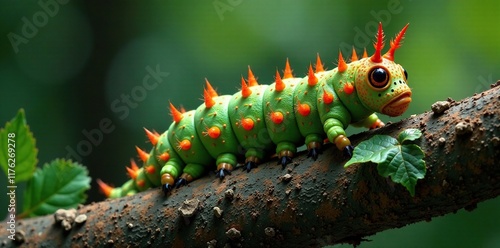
x=71 y=65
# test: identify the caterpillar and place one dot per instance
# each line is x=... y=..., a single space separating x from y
x=275 y=118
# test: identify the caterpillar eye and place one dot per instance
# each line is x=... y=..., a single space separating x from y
x=379 y=77
x=406 y=74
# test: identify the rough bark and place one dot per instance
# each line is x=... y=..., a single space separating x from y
x=321 y=203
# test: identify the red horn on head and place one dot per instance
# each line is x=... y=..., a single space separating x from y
x=377 y=57
x=396 y=43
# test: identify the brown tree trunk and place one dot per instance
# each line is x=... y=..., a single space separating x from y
x=317 y=203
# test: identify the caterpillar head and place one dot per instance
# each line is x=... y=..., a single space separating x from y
x=381 y=84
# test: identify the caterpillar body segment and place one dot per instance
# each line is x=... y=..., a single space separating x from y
x=215 y=131
x=246 y=114
x=280 y=118
x=189 y=148
x=263 y=119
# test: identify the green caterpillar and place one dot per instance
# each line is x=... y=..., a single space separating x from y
x=276 y=118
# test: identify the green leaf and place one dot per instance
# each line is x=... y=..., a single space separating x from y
x=409 y=134
x=375 y=149
x=19 y=161
x=60 y=184
x=404 y=165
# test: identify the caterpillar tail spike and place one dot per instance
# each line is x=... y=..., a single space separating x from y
x=260 y=120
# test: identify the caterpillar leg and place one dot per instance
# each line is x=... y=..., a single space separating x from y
x=253 y=157
x=225 y=164
x=336 y=134
x=370 y=122
x=190 y=172
x=313 y=143
x=285 y=151
x=169 y=173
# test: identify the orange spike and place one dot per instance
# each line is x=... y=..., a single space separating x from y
x=279 y=86
x=209 y=101
x=288 y=71
x=164 y=156
x=303 y=108
x=365 y=54
x=131 y=173
x=133 y=165
x=327 y=97
x=342 y=66
x=319 y=65
x=150 y=169
x=245 y=90
x=153 y=138
x=396 y=43
x=311 y=78
x=210 y=89
x=184 y=145
x=277 y=117
x=247 y=124
x=104 y=188
x=182 y=109
x=354 y=56
x=251 y=78
x=176 y=114
x=379 y=45
x=142 y=154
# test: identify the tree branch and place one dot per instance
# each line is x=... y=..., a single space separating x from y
x=321 y=203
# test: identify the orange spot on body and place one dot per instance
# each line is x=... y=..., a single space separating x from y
x=140 y=183
x=164 y=156
x=153 y=137
x=288 y=71
x=142 y=154
x=319 y=65
x=251 y=78
x=176 y=114
x=303 y=108
x=311 y=79
x=150 y=169
x=342 y=66
x=184 y=145
x=327 y=97
x=213 y=132
x=348 y=88
x=104 y=188
x=277 y=117
x=247 y=123
x=279 y=86
x=245 y=90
